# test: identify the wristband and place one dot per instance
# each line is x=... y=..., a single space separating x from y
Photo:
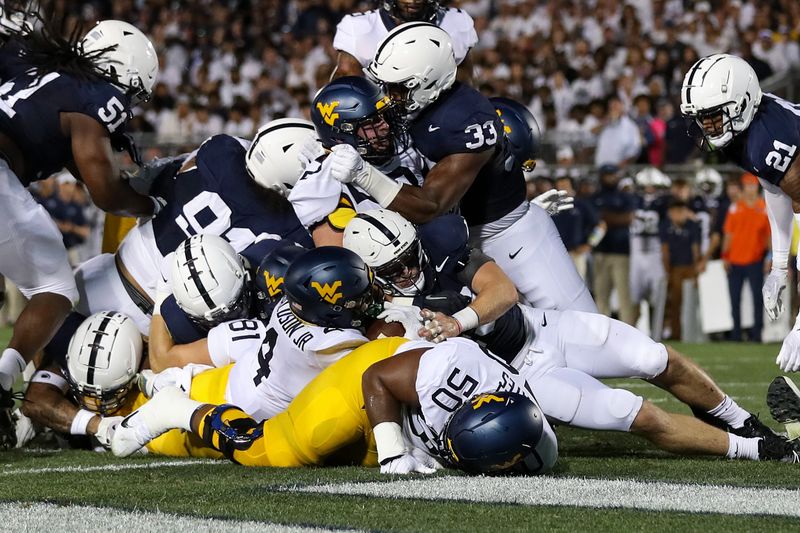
x=389 y=441
x=467 y=318
x=378 y=185
x=81 y=422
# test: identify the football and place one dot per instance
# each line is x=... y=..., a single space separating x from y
x=380 y=328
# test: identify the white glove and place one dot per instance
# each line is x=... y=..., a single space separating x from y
x=789 y=357
x=554 y=202
x=24 y=428
x=426 y=459
x=310 y=151
x=406 y=464
x=105 y=430
x=407 y=315
x=772 y=291
x=347 y=164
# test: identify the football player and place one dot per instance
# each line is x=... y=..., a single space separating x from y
x=63 y=103
x=358 y=34
x=86 y=384
x=223 y=188
x=761 y=133
x=561 y=362
x=648 y=279
x=460 y=134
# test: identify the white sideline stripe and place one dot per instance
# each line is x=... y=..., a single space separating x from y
x=579 y=492
x=49 y=517
x=106 y=468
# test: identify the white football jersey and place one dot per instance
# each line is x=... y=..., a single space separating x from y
x=449 y=374
x=318 y=196
x=359 y=34
x=276 y=360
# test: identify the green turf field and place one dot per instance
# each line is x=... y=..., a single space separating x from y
x=597 y=485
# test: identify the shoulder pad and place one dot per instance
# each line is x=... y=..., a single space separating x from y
x=446 y=241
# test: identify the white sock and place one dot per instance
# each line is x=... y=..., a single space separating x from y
x=742 y=447
x=175 y=410
x=11 y=365
x=729 y=412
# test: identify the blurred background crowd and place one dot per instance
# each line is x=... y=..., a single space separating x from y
x=601 y=77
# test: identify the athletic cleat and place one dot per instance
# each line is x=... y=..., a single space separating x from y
x=779 y=449
x=753 y=427
x=8 y=431
x=783 y=399
x=144 y=424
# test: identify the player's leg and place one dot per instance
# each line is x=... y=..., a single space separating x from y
x=735 y=282
x=100 y=289
x=602 y=283
x=620 y=273
x=532 y=254
x=658 y=302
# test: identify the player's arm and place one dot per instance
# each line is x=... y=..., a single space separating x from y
x=346 y=65
x=495 y=295
x=324 y=234
x=93 y=163
x=164 y=353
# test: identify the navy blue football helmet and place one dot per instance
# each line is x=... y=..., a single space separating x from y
x=353 y=110
x=332 y=287
x=411 y=11
x=521 y=129
x=270 y=275
x=493 y=432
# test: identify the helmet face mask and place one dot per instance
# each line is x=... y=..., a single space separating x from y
x=99 y=400
x=412 y=10
x=405 y=274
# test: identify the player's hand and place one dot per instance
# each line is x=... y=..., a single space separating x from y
x=406 y=315
x=407 y=463
x=438 y=326
x=346 y=164
x=789 y=357
x=773 y=289
x=105 y=430
x=554 y=202
x=310 y=151
x=426 y=459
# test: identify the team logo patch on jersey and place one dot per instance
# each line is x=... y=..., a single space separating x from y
x=273 y=283
x=327 y=111
x=485 y=398
x=328 y=292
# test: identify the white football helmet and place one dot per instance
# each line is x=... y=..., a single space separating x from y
x=723 y=88
x=272 y=158
x=651 y=177
x=388 y=244
x=709 y=181
x=103 y=359
x=130 y=59
x=417 y=57
x=210 y=281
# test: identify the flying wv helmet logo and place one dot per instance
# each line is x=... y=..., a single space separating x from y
x=328 y=292
x=327 y=111
x=484 y=399
x=506 y=127
x=273 y=284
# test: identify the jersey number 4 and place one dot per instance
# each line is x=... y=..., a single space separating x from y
x=780 y=157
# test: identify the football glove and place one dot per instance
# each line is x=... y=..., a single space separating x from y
x=24 y=428
x=789 y=357
x=347 y=164
x=407 y=315
x=406 y=464
x=105 y=431
x=554 y=202
x=773 y=289
x=310 y=151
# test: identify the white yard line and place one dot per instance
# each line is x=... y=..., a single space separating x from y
x=105 y=468
x=577 y=492
x=48 y=516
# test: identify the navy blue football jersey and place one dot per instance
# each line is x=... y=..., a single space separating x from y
x=445 y=241
x=462 y=120
x=55 y=352
x=31 y=104
x=771 y=143
x=217 y=196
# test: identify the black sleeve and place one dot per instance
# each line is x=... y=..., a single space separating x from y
x=475 y=260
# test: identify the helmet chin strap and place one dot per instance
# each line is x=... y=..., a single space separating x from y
x=720 y=141
x=413 y=289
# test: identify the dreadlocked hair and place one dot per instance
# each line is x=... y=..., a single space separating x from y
x=47 y=48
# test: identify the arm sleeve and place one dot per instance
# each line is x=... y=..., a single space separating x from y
x=781 y=217
x=181 y=328
x=475 y=260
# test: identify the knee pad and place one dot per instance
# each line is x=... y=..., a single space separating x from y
x=227 y=428
x=651 y=361
x=614 y=409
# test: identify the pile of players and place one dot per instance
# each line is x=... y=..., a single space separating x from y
x=273 y=280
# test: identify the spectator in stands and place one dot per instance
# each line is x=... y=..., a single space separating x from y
x=575 y=226
x=620 y=141
x=612 y=255
x=745 y=242
x=69 y=214
x=680 y=252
